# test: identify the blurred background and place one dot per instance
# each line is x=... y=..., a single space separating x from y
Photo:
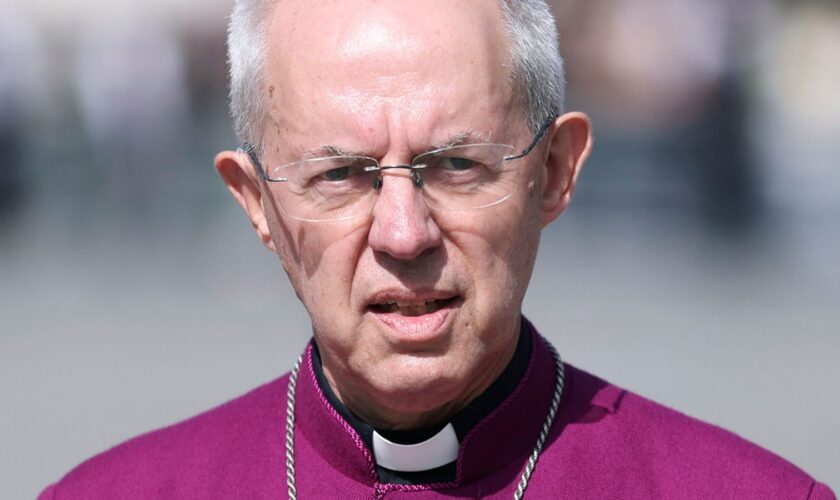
x=697 y=265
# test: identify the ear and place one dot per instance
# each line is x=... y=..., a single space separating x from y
x=569 y=144
x=243 y=182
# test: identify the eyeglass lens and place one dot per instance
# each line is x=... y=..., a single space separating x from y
x=341 y=187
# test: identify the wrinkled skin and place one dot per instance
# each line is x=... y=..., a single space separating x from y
x=393 y=80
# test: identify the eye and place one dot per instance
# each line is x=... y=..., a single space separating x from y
x=337 y=174
x=457 y=163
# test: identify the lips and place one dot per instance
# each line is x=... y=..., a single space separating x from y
x=412 y=307
x=419 y=319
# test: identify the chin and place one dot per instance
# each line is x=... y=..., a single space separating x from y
x=410 y=387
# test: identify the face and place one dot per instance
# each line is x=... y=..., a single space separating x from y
x=415 y=310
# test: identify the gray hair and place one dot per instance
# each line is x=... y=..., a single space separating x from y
x=536 y=65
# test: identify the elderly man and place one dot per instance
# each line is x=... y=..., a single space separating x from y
x=401 y=158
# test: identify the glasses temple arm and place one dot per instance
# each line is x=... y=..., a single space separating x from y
x=248 y=149
x=537 y=138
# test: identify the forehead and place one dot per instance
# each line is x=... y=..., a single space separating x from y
x=365 y=64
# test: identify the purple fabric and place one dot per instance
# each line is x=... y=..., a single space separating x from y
x=606 y=443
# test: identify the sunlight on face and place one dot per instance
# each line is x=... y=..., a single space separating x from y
x=414 y=310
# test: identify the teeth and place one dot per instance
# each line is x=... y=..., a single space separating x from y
x=411 y=308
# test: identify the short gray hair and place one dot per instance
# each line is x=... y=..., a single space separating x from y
x=534 y=51
x=537 y=67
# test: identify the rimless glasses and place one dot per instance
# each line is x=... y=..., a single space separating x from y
x=340 y=186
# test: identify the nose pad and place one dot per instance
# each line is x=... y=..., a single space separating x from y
x=415 y=177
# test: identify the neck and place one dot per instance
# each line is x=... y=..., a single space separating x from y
x=384 y=418
x=422 y=414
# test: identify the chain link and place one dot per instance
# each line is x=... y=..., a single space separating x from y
x=290 y=430
x=546 y=428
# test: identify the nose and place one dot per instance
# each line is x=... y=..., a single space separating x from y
x=402 y=225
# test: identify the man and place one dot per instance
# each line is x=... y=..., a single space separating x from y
x=401 y=158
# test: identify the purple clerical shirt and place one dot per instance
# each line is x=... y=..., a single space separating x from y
x=605 y=443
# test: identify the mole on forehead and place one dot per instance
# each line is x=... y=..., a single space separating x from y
x=328 y=150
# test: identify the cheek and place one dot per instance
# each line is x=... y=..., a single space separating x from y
x=499 y=247
x=321 y=261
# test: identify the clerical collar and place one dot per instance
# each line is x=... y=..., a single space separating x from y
x=437 y=451
x=437 y=445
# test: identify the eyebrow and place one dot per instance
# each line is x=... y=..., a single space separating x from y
x=327 y=151
x=457 y=139
x=331 y=150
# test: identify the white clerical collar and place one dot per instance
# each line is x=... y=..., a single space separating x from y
x=437 y=451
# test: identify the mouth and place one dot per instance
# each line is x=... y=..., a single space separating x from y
x=412 y=308
x=414 y=318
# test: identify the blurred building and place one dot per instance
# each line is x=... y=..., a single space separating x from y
x=18 y=47
x=794 y=100
x=663 y=81
x=130 y=85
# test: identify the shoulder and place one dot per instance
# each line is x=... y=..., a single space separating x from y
x=234 y=444
x=662 y=452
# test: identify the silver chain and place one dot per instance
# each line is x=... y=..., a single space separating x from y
x=290 y=430
x=546 y=428
x=526 y=474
